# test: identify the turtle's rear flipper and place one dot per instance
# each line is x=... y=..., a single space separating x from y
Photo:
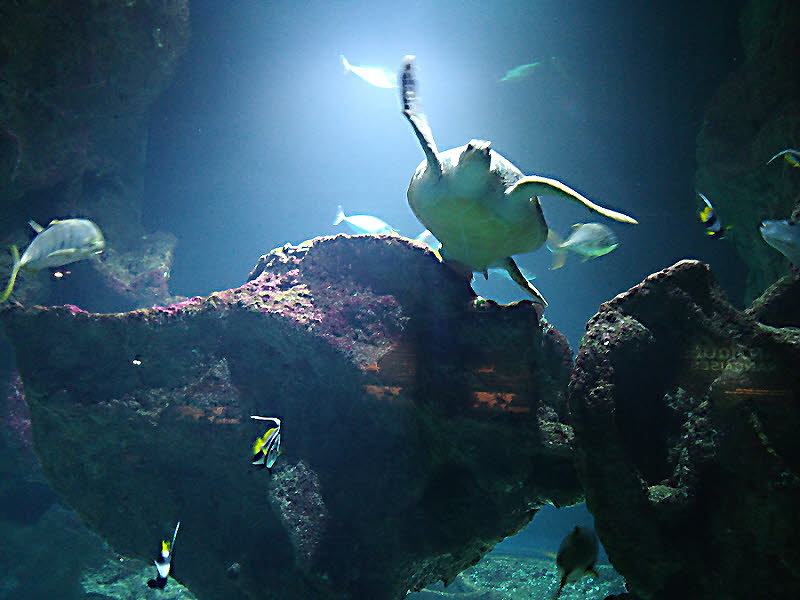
x=513 y=271
x=533 y=185
x=415 y=116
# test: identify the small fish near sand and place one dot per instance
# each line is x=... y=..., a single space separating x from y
x=375 y=76
x=164 y=562
x=588 y=240
x=360 y=224
x=59 y=244
x=790 y=155
x=784 y=236
x=576 y=556
x=708 y=217
x=267 y=448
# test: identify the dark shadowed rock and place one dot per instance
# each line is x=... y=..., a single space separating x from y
x=685 y=414
x=420 y=424
x=76 y=82
x=753 y=115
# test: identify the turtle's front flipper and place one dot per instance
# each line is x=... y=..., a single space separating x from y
x=509 y=265
x=412 y=112
x=542 y=186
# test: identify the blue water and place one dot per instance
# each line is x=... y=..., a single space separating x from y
x=263 y=134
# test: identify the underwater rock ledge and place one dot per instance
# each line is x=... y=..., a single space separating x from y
x=420 y=424
x=685 y=413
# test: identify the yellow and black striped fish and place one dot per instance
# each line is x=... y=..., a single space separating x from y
x=708 y=217
x=267 y=448
x=164 y=562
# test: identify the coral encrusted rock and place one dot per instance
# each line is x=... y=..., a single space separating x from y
x=686 y=414
x=420 y=424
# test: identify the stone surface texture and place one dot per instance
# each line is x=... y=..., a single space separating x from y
x=685 y=413
x=420 y=424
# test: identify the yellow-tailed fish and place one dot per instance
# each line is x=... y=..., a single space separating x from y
x=164 y=562
x=267 y=448
x=790 y=155
x=59 y=244
x=376 y=76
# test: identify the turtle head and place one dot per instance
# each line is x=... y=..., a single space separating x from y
x=476 y=154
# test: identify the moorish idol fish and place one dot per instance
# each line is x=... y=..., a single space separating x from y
x=267 y=447
x=708 y=217
x=163 y=562
x=790 y=155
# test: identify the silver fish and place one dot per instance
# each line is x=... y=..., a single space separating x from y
x=375 y=76
x=589 y=240
x=363 y=223
x=784 y=236
x=59 y=244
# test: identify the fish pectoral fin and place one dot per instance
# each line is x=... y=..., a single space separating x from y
x=516 y=275
x=533 y=185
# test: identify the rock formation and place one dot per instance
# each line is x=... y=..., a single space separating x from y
x=754 y=115
x=76 y=82
x=420 y=424
x=685 y=413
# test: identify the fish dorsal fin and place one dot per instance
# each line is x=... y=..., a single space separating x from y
x=415 y=116
x=576 y=225
x=35 y=226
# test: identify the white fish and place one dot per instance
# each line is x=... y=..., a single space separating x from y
x=376 y=76
x=784 y=236
x=589 y=240
x=61 y=243
x=363 y=223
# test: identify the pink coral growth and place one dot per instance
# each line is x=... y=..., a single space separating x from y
x=15 y=415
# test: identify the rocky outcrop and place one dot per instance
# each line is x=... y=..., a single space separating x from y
x=420 y=424
x=685 y=413
x=76 y=82
x=754 y=115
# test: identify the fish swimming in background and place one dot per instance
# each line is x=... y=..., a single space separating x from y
x=267 y=448
x=376 y=76
x=163 y=562
x=589 y=240
x=59 y=244
x=576 y=556
x=363 y=223
x=784 y=236
x=708 y=217
x=790 y=155
x=521 y=71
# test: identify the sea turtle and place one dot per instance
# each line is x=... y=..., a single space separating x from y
x=480 y=207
